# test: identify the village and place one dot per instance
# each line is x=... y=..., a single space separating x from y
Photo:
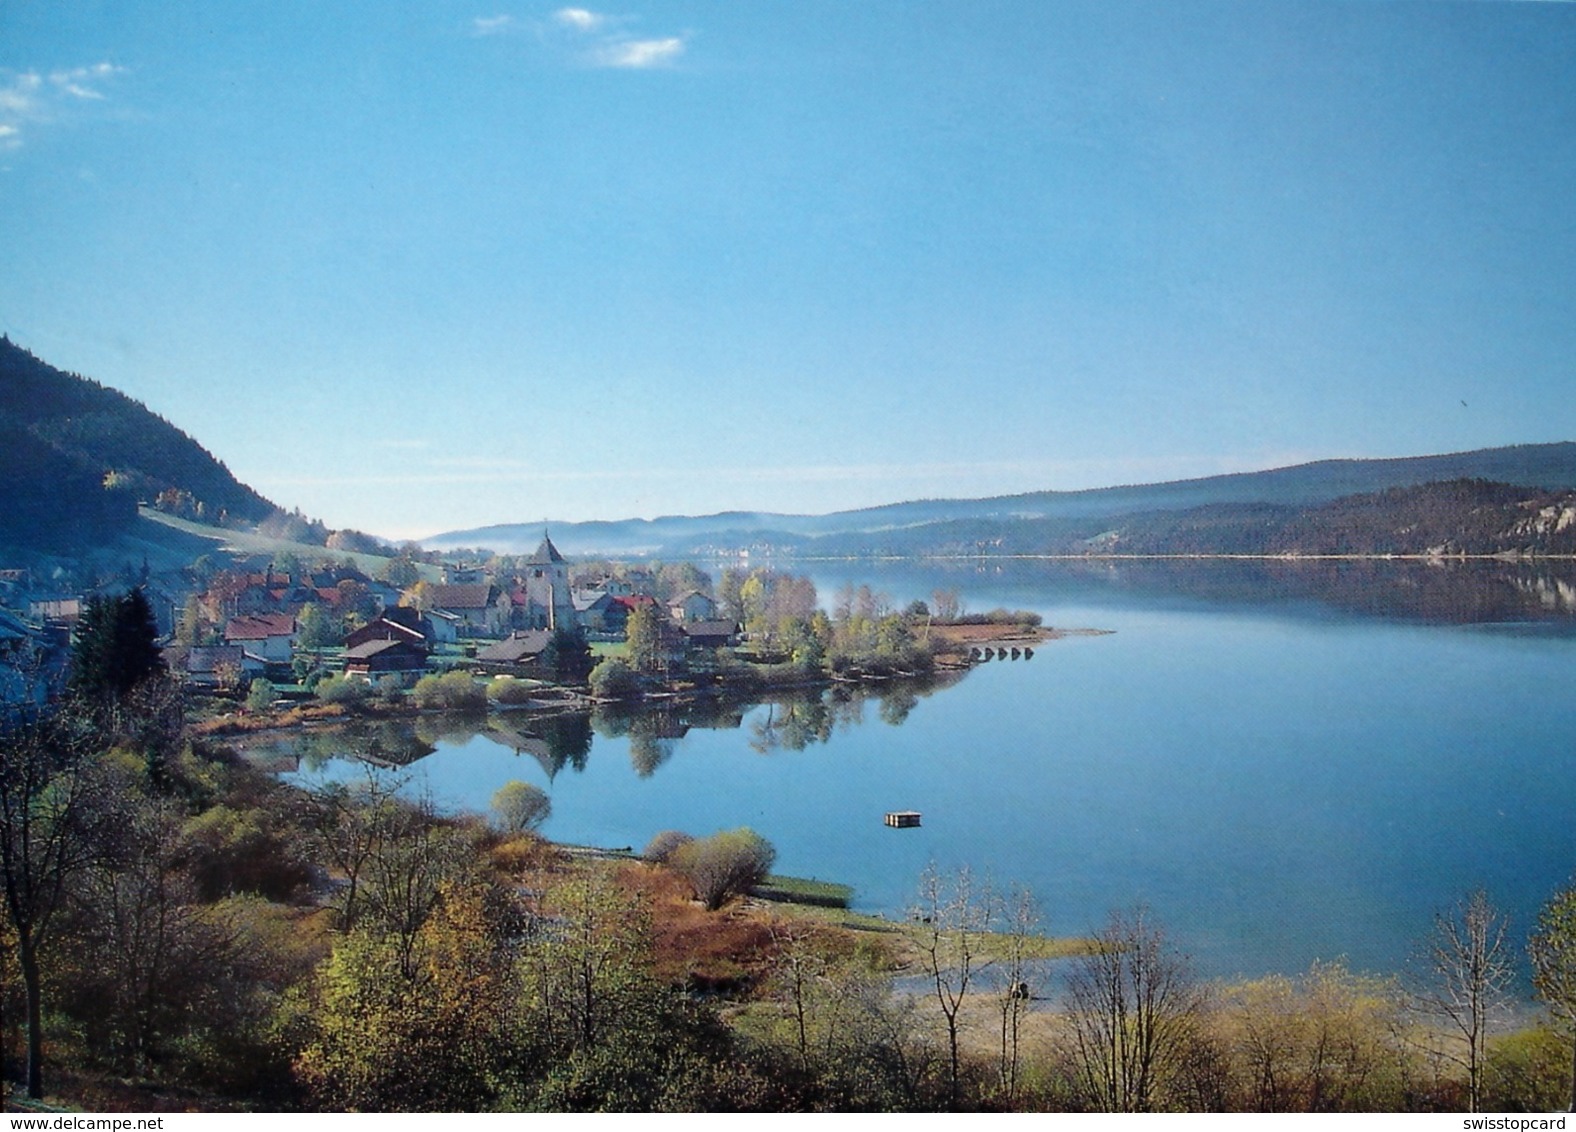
x=274 y=631
x=292 y=626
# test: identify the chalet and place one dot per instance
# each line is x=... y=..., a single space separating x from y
x=376 y=659
x=269 y=636
x=54 y=608
x=640 y=582
x=239 y=595
x=464 y=575
x=385 y=595
x=591 y=611
x=214 y=666
x=617 y=616
x=328 y=577
x=602 y=583
x=445 y=626
x=517 y=651
x=399 y=623
x=693 y=606
x=713 y=634
x=478 y=609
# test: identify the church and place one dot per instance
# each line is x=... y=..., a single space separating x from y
x=543 y=599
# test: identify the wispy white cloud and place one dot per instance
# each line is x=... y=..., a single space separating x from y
x=581 y=19
x=602 y=40
x=80 y=81
x=28 y=98
x=639 y=54
x=19 y=94
x=492 y=25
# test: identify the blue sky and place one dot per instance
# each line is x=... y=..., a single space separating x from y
x=419 y=266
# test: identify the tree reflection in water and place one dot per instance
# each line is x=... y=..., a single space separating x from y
x=791 y=721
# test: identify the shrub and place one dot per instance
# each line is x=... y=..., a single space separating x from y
x=389 y=689
x=614 y=679
x=1021 y=617
x=661 y=848
x=1527 y=1072
x=339 y=690
x=519 y=806
x=452 y=690
x=509 y=691
x=260 y=697
x=245 y=850
x=724 y=865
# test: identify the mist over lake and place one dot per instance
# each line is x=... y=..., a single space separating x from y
x=1285 y=762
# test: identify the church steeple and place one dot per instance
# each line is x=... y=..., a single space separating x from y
x=546 y=553
x=547 y=587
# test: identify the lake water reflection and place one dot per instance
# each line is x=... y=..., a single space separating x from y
x=1281 y=775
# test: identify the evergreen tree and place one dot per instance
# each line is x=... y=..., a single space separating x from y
x=115 y=647
x=567 y=657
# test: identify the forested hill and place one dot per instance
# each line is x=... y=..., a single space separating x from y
x=1470 y=516
x=76 y=456
x=1043 y=519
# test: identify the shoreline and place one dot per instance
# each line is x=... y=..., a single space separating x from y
x=952 y=659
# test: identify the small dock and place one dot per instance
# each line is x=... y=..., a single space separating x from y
x=902 y=819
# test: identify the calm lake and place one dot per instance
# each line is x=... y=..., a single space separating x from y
x=1284 y=762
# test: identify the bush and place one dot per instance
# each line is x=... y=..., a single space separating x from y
x=519 y=806
x=1527 y=1071
x=389 y=690
x=452 y=691
x=614 y=679
x=260 y=697
x=509 y=691
x=339 y=690
x=1021 y=617
x=662 y=847
x=724 y=865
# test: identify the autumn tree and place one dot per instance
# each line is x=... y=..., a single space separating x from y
x=1553 y=950
x=354 y=603
x=946 y=605
x=1133 y=1009
x=724 y=865
x=1013 y=983
x=1470 y=976
x=432 y=1034
x=144 y=948
x=644 y=634
x=954 y=912
x=47 y=828
x=401 y=572
x=520 y=806
x=1326 y=1041
x=675 y=579
x=315 y=629
x=730 y=603
x=350 y=822
x=412 y=858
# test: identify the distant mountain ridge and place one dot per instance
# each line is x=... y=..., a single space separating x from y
x=76 y=456
x=1043 y=519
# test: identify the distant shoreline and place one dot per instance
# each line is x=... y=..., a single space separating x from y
x=1504 y=556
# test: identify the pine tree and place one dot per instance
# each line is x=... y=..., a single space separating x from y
x=115 y=647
